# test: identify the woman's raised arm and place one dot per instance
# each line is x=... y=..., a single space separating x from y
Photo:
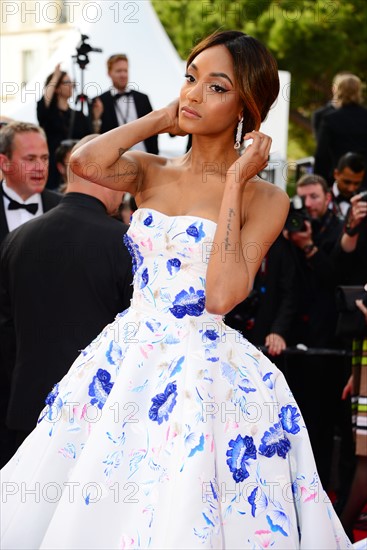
x=107 y=160
x=239 y=248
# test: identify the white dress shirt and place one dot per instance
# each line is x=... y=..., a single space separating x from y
x=126 y=112
x=343 y=205
x=15 y=218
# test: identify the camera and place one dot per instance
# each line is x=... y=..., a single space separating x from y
x=297 y=216
x=363 y=196
x=83 y=50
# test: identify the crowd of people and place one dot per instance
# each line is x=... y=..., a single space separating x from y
x=65 y=274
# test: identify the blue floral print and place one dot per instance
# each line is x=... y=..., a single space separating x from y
x=278 y=521
x=258 y=501
x=188 y=303
x=241 y=451
x=163 y=403
x=144 y=278
x=173 y=265
x=274 y=442
x=290 y=418
x=211 y=335
x=196 y=231
x=53 y=406
x=100 y=388
x=133 y=248
x=52 y=395
x=148 y=220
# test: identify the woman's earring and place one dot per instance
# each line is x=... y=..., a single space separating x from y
x=237 y=144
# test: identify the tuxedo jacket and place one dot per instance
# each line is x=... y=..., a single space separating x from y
x=50 y=199
x=143 y=107
x=63 y=277
x=342 y=131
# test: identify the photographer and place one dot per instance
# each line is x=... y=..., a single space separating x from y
x=58 y=120
x=349 y=174
x=316 y=380
x=350 y=253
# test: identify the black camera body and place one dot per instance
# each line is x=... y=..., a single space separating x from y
x=363 y=196
x=297 y=216
x=83 y=50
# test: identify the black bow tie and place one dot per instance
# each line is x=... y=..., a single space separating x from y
x=117 y=96
x=341 y=198
x=15 y=205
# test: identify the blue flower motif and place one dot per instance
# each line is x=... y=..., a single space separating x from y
x=245 y=385
x=100 y=388
x=289 y=417
x=258 y=501
x=152 y=325
x=211 y=334
x=173 y=265
x=144 y=278
x=196 y=232
x=278 y=522
x=268 y=381
x=163 y=403
x=242 y=449
x=53 y=406
x=114 y=353
x=52 y=395
x=148 y=220
x=133 y=248
x=274 y=441
x=188 y=303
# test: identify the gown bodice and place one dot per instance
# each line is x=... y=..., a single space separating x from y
x=170 y=256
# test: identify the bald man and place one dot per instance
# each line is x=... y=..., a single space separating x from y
x=63 y=277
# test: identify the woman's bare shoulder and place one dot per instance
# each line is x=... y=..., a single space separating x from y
x=260 y=190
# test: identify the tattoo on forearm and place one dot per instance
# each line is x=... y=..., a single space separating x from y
x=231 y=213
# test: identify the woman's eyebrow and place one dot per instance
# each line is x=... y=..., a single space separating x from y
x=223 y=75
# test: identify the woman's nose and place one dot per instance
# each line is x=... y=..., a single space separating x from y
x=195 y=93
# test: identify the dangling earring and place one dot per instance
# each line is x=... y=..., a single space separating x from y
x=237 y=144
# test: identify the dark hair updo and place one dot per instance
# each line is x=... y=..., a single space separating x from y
x=255 y=69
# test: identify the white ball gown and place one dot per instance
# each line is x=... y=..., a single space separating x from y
x=170 y=431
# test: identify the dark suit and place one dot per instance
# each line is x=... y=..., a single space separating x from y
x=317 y=380
x=342 y=131
x=143 y=107
x=63 y=277
x=50 y=199
x=318 y=116
x=272 y=304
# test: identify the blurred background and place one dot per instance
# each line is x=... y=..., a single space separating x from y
x=312 y=41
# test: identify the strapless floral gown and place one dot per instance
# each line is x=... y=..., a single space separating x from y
x=170 y=431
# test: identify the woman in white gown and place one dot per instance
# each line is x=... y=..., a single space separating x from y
x=171 y=430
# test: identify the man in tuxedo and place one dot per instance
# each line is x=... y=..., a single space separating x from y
x=349 y=174
x=63 y=278
x=316 y=380
x=24 y=165
x=122 y=104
